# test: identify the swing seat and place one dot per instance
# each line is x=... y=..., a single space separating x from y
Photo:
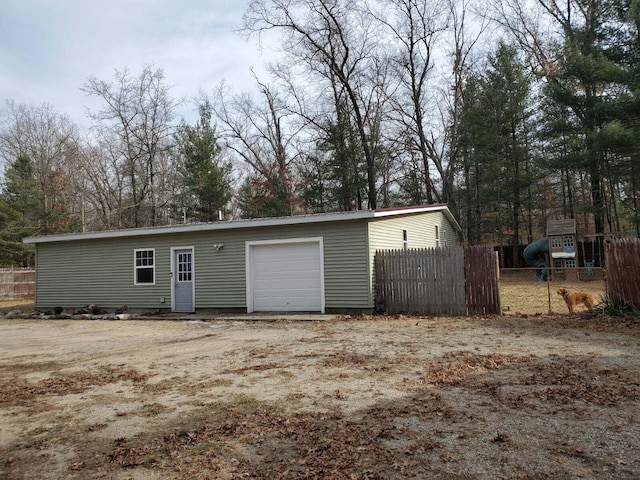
x=589 y=269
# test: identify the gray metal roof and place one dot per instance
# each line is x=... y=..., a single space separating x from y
x=249 y=223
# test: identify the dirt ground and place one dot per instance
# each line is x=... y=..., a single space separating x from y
x=529 y=397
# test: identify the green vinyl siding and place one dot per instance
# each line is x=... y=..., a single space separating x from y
x=221 y=275
x=101 y=271
x=386 y=233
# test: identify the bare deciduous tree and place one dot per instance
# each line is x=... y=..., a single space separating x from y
x=48 y=142
x=261 y=134
x=104 y=183
x=335 y=39
x=139 y=111
x=415 y=28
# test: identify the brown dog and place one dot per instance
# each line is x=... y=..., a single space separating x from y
x=574 y=298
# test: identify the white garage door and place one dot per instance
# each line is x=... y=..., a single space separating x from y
x=285 y=277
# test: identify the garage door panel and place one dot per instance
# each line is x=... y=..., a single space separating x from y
x=282 y=281
x=282 y=289
x=283 y=285
x=286 y=277
x=286 y=303
x=289 y=263
x=267 y=274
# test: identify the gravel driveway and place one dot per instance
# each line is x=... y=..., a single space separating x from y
x=346 y=398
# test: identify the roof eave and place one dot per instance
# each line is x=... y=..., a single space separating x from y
x=199 y=227
x=383 y=212
x=250 y=223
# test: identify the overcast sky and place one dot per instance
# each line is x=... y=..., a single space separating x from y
x=49 y=48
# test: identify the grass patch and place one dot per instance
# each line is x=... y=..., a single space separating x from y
x=25 y=305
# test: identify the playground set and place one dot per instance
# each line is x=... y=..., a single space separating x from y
x=555 y=254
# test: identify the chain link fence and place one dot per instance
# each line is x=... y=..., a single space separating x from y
x=534 y=291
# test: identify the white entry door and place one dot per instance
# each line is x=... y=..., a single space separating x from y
x=285 y=276
x=183 y=278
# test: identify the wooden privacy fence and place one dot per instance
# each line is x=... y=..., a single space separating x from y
x=17 y=283
x=623 y=270
x=437 y=281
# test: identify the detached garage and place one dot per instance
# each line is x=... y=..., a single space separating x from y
x=307 y=263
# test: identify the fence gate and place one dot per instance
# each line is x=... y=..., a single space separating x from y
x=481 y=274
x=425 y=281
x=438 y=281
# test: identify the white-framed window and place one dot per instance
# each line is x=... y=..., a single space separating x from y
x=405 y=239
x=144 y=266
x=557 y=263
x=568 y=240
x=437 y=233
x=556 y=242
x=570 y=263
x=185 y=266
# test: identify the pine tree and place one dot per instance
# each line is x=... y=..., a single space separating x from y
x=206 y=178
x=495 y=136
x=19 y=207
